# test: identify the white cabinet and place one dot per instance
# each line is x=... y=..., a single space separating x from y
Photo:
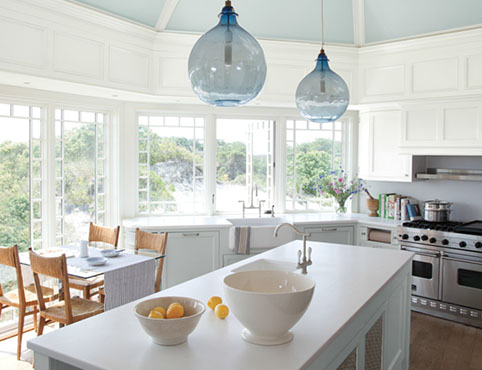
x=331 y=234
x=189 y=255
x=442 y=129
x=379 y=141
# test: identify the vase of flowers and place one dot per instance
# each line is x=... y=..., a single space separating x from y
x=338 y=185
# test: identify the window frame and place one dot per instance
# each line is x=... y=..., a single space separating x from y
x=107 y=161
x=345 y=121
x=278 y=197
x=165 y=113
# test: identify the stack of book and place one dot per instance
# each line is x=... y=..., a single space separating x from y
x=394 y=206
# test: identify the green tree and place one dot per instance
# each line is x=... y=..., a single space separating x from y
x=14 y=195
x=231 y=162
x=309 y=166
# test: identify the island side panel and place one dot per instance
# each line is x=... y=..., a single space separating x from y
x=43 y=362
x=390 y=308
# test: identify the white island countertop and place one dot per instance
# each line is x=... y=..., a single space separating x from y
x=347 y=279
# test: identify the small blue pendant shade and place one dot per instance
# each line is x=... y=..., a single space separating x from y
x=322 y=96
x=226 y=65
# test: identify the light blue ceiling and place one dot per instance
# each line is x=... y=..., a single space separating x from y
x=292 y=20
x=387 y=20
x=300 y=20
x=141 y=11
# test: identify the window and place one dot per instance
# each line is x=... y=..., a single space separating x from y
x=21 y=180
x=312 y=149
x=244 y=163
x=170 y=164
x=79 y=173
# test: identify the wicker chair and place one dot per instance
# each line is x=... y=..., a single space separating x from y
x=155 y=242
x=69 y=310
x=96 y=234
x=23 y=296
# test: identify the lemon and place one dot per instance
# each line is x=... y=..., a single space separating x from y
x=221 y=311
x=175 y=311
x=156 y=315
x=214 y=301
x=160 y=309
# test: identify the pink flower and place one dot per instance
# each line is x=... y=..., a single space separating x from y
x=340 y=179
x=331 y=184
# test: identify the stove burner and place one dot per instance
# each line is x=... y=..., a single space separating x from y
x=427 y=225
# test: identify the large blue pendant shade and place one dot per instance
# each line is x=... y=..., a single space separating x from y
x=322 y=96
x=226 y=65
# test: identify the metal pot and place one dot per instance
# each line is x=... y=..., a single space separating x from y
x=437 y=210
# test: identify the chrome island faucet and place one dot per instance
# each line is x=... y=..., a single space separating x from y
x=302 y=263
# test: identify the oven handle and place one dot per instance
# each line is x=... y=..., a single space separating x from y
x=417 y=251
x=448 y=258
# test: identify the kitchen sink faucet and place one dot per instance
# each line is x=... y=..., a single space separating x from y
x=302 y=263
x=251 y=206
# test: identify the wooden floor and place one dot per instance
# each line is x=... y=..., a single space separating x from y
x=437 y=344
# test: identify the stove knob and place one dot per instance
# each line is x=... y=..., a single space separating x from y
x=405 y=236
x=424 y=238
x=478 y=245
x=445 y=242
x=433 y=240
x=462 y=244
x=416 y=238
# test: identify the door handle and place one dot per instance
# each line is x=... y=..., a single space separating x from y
x=448 y=258
x=426 y=254
x=190 y=234
x=329 y=229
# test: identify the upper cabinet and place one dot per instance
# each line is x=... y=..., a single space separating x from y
x=442 y=129
x=379 y=146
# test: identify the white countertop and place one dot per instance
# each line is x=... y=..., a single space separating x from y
x=216 y=222
x=346 y=277
x=177 y=222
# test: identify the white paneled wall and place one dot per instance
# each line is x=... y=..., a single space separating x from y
x=64 y=41
x=430 y=67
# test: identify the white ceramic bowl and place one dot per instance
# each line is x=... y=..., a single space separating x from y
x=96 y=261
x=110 y=253
x=169 y=332
x=268 y=303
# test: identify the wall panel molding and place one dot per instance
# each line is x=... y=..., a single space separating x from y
x=78 y=56
x=23 y=43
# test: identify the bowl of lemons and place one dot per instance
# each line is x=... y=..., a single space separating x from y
x=169 y=320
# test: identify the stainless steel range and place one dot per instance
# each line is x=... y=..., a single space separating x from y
x=446 y=269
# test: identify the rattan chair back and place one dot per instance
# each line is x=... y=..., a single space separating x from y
x=104 y=234
x=157 y=242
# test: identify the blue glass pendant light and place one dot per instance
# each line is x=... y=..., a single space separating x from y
x=322 y=96
x=226 y=65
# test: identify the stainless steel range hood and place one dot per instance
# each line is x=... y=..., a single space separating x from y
x=450 y=174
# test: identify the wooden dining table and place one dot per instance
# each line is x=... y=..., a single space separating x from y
x=127 y=277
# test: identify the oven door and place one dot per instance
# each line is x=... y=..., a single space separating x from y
x=425 y=272
x=462 y=280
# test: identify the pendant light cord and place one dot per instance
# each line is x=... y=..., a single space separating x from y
x=322 y=28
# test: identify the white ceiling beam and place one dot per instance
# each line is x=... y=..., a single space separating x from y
x=166 y=14
x=359 y=22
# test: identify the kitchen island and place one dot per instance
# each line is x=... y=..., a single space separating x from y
x=359 y=314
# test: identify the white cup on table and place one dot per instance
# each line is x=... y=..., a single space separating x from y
x=84 y=248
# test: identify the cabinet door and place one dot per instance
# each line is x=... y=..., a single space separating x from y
x=189 y=255
x=442 y=129
x=385 y=162
x=332 y=234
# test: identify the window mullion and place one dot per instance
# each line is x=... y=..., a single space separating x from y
x=30 y=174
x=210 y=163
